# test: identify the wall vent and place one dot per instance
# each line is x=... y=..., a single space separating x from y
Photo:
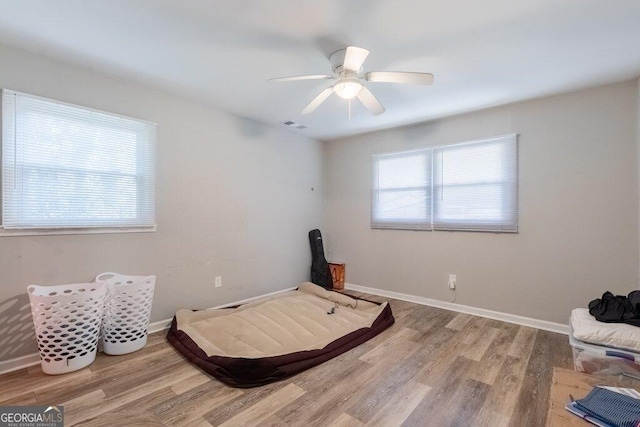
x=294 y=125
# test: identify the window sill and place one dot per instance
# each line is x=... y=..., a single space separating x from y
x=472 y=230
x=4 y=232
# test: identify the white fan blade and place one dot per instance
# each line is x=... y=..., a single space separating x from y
x=317 y=100
x=370 y=102
x=354 y=58
x=294 y=78
x=399 y=77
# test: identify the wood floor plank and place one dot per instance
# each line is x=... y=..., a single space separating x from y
x=476 y=349
x=323 y=377
x=433 y=344
x=523 y=343
x=266 y=407
x=400 y=406
x=192 y=382
x=75 y=409
x=234 y=407
x=362 y=384
x=54 y=391
x=320 y=404
x=35 y=369
x=19 y=375
x=148 y=401
x=434 y=372
x=459 y=322
x=383 y=336
x=456 y=395
x=387 y=377
x=427 y=312
x=137 y=419
x=381 y=351
x=493 y=323
x=153 y=368
x=532 y=406
x=28 y=398
x=191 y=405
x=503 y=396
x=272 y=421
x=429 y=319
x=37 y=379
x=199 y=422
x=152 y=346
x=345 y=420
x=491 y=363
x=487 y=417
x=401 y=309
x=470 y=399
x=472 y=331
x=81 y=408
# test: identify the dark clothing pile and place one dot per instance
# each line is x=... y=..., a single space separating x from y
x=617 y=308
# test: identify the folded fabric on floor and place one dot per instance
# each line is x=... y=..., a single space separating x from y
x=274 y=338
x=617 y=308
x=610 y=407
x=586 y=328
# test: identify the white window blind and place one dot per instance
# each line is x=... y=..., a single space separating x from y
x=475 y=185
x=65 y=166
x=468 y=186
x=402 y=190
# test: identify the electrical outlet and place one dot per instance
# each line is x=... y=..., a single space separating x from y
x=218 y=281
x=452 y=281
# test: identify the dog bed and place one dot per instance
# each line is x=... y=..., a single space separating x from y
x=271 y=339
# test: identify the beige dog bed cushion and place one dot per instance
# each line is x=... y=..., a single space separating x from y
x=276 y=337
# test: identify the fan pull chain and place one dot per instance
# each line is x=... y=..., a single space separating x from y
x=349 y=110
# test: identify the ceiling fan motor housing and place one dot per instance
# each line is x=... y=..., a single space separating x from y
x=337 y=59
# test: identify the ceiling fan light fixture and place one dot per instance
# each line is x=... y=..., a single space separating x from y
x=346 y=65
x=347 y=89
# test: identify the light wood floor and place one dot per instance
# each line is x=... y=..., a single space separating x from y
x=432 y=368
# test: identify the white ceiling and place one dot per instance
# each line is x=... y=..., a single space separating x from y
x=482 y=53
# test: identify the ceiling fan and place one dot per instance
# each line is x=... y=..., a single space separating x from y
x=347 y=71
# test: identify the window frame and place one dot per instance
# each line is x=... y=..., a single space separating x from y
x=85 y=228
x=429 y=224
x=405 y=223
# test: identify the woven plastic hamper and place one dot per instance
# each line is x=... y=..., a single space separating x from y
x=127 y=312
x=67 y=321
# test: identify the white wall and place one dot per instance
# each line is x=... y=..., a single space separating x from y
x=234 y=198
x=579 y=231
x=638 y=152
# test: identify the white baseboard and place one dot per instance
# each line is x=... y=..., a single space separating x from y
x=159 y=326
x=19 y=363
x=495 y=315
x=34 y=359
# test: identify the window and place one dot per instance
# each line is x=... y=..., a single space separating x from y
x=468 y=186
x=65 y=166
x=402 y=190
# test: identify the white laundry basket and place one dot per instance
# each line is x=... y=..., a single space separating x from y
x=127 y=312
x=67 y=322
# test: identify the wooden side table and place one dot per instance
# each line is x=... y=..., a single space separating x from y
x=568 y=382
x=337 y=274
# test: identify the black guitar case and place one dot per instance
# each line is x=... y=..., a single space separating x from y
x=320 y=273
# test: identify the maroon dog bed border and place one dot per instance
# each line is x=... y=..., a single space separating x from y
x=253 y=372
